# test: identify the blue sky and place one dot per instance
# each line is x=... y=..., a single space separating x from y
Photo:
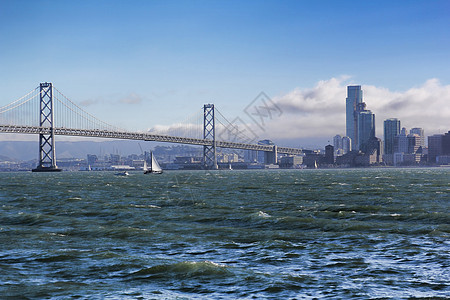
x=142 y=63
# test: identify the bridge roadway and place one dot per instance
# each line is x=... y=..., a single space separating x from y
x=143 y=137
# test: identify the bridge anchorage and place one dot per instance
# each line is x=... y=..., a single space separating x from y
x=47 y=156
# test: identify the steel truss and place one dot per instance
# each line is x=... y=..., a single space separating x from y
x=209 y=133
x=47 y=156
x=144 y=137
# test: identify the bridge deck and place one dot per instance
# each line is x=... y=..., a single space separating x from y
x=144 y=137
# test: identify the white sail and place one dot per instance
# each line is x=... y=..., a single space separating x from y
x=155 y=166
x=145 y=168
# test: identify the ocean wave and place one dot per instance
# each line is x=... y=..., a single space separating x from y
x=185 y=269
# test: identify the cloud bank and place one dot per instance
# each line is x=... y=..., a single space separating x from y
x=132 y=98
x=320 y=111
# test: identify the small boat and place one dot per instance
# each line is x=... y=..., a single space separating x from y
x=154 y=166
x=124 y=173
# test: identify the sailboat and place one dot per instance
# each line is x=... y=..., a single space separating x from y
x=154 y=167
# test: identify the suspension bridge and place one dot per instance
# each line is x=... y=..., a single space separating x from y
x=47 y=112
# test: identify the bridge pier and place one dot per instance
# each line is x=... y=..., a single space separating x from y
x=47 y=156
x=270 y=157
x=209 y=133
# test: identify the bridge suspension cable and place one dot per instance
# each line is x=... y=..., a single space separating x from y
x=70 y=115
x=231 y=132
x=22 y=111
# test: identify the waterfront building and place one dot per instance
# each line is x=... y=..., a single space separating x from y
x=434 y=147
x=329 y=154
x=266 y=157
x=250 y=156
x=446 y=144
x=391 y=130
x=291 y=162
x=439 y=148
x=409 y=146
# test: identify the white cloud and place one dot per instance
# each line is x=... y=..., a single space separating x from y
x=132 y=98
x=89 y=102
x=320 y=111
x=427 y=106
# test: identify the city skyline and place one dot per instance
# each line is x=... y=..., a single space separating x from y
x=151 y=63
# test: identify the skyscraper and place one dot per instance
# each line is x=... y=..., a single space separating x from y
x=346 y=144
x=434 y=147
x=337 y=142
x=391 y=130
x=420 y=133
x=353 y=104
x=401 y=142
x=366 y=129
x=329 y=154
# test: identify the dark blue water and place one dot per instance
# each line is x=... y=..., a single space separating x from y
x=304 y=234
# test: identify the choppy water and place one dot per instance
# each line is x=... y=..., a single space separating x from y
x=368 y=233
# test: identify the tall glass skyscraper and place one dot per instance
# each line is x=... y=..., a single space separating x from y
x=366 y=129
x=391 y=130
x=353 y=104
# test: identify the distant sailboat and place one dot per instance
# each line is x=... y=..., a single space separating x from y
x=154 y=167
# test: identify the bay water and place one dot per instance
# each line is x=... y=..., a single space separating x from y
x=274 y=234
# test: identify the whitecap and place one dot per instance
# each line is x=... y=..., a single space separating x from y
x=263 y=214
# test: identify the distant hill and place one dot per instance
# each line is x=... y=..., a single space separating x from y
x=5 y=158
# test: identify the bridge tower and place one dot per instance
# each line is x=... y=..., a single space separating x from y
x=209 y=132
x=47 y=156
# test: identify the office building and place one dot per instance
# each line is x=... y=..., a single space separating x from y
x=407 y=149
x=391 y=130
x=420 y=133
x=434 y=147
x=446 y=144
x=291 y=162
x=266 y=157
x=401 y=142
x=360 y=123
x=251 y=156
x=438 y=147
x=346 y=144
x=337 y=143
x=329 y=154
x=366 y=129
x=414 y=143
x=353 y=104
